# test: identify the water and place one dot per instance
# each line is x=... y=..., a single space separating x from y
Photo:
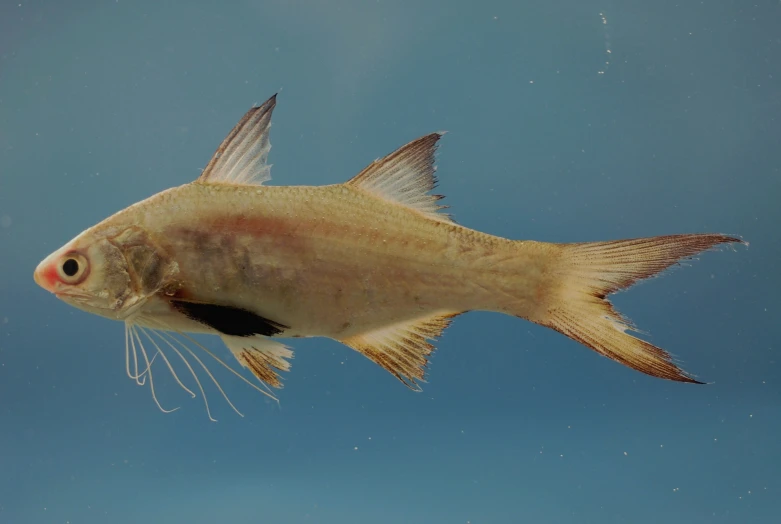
x=105 y=103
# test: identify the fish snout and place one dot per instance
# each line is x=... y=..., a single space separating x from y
x=45 y=275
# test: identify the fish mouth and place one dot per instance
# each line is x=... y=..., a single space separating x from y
x=73 y=295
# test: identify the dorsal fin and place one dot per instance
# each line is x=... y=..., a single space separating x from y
x=241 y=158
x=406 y=176
x=402 y=348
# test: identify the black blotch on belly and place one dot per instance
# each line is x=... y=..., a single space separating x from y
x=228 y=320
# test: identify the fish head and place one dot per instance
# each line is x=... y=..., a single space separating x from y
x=106 y=270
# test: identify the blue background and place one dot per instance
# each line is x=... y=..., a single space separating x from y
x=103 y=103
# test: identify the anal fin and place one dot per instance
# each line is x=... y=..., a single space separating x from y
x=262 y=356
x=402 y=348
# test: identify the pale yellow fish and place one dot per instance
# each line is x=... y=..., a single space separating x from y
x=373 y=263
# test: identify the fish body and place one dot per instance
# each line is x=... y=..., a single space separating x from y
x=328 y=261
x=374 y=263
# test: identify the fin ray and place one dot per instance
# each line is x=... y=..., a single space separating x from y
x=406 y=176
x=587 y=272
x=262 y=356
x=402 y=349
x=241 y=157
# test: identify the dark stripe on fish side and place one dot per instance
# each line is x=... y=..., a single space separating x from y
x=228 y=320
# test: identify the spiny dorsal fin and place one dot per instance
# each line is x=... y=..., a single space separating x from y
x=406 y=176
x=402 y=348
x=262 y=356
x=241 y=158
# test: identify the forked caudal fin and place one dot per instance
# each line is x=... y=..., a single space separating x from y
x=587 y=272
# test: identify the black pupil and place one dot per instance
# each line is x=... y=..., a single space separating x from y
x=70 y=267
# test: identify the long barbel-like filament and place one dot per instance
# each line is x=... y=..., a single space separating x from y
x=192 y=372
x=168 y=329
x=166 y=333
x=140 y=378
x=206 y=369
x=167 y=362
x=215 y=357
x=127 y=351
x=149 y=370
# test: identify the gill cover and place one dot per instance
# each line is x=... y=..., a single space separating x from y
x=130 y=267
x=109 y=278
x=147 y=266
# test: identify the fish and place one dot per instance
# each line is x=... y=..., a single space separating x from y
x=376 y=263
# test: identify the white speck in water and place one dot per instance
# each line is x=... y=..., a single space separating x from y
x=5 y=221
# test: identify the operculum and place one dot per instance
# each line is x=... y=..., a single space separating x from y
x=149 y=266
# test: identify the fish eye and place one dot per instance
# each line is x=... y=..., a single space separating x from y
x=72 y=269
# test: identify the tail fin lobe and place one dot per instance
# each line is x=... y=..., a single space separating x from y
x=587 y=272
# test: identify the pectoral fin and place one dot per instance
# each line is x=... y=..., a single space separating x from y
x=228 y=320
